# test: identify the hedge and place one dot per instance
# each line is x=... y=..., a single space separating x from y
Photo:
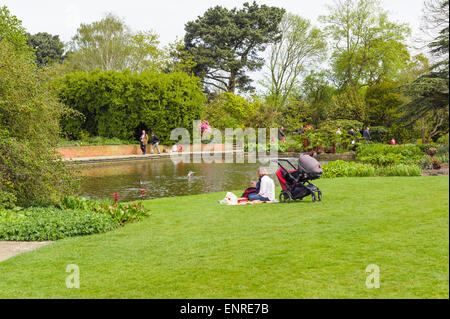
x=385 y=154
x=119 y=104
x=40 y=224
x=352 y=169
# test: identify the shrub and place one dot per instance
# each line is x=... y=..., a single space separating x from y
x=229 y=110
x=97 y=140
x=30 y=168
x=7 y=200
x=399 y=170
x=385 y=155
x=443 y=158
x=380 y=134
x=40 y=224
x=347 y=169
x=331 y=126
x=443 y=139
x=352 y=169
x=120 y=104
x=121 y=213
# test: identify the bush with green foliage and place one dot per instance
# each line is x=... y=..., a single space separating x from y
x=443 y=139
x=7 y=199
x=228 y=110
x=352 y=169
x=40 y=224
x=30 y=168
x=331 y=126
x=385 y=154
x=96 y=140
x=120 y=104
x=121 y=213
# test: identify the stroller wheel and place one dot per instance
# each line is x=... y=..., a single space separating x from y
x=313 y=197
x=285 y=197
x=319 y=195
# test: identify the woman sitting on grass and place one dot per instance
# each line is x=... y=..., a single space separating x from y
x=265 y=187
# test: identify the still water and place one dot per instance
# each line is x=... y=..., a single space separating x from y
x=164 y=178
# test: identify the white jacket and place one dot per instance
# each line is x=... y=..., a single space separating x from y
x=267 y=188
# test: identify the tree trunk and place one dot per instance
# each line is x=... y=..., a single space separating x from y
x=232 y=82
x=422 y=129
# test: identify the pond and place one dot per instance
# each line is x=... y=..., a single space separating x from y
x=164 y=178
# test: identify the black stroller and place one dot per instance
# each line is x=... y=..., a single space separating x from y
x=296 y=183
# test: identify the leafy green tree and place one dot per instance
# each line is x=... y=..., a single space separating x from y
x=109 y=44
x=226 y=43
x=430 y=92
x=383 y=103
x=300 y=47
x=349 y=104
x=11 y=30
x=178 y=59
x=29 y=132
x=368 y=48
x=48 y=48
x=317 y=93
x=229 y=110
x=436 y=22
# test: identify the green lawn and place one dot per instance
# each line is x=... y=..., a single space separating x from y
x=192 y=247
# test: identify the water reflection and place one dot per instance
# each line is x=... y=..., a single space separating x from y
x=163 y=178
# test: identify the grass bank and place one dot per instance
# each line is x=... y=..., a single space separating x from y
x=192 y=247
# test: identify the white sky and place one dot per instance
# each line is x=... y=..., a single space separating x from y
x=166 y=17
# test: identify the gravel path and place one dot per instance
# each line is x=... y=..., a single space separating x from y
x=9 y=249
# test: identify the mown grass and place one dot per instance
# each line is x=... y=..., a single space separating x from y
x=192 y=247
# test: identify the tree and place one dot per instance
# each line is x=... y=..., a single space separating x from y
x=317 y=93
x=11 y=30
x=109 y=44
x=225 y=44
x=430 y=92
x=178 y=59
x=29 y=132
x=368 y=48
x=48 y=48
x=382 y=103
x=349 y=104
x=229 y=110
x=438 y=17
x=299 y=47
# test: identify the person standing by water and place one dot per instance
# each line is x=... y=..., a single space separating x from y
x=144 y=142
x=155 y=142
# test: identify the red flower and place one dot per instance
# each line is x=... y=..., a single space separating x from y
x=143 y=192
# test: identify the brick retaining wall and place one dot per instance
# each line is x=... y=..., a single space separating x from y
x=118 y=150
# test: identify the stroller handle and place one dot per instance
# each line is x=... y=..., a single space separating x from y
x=284 y=160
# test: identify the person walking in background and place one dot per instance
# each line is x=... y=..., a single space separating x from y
x=353 y=135
x=338 y=131
x=144 y=142
x=155 y=142
x=351 y=132
x=366 y=134
x=281 y=134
